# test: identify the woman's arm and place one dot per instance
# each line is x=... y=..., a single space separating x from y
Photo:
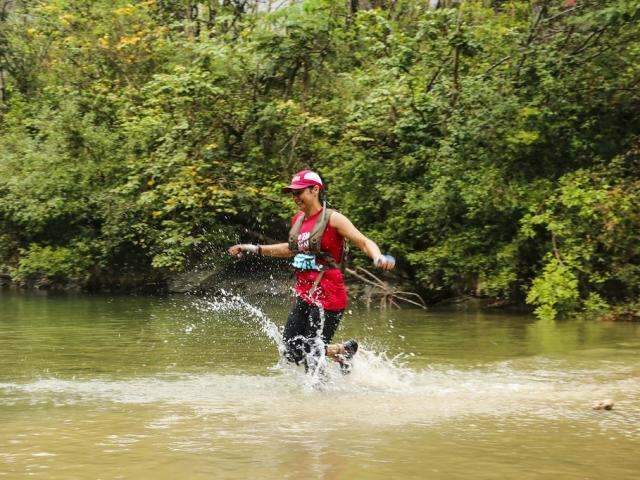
x=275 y=250
x=368 y=246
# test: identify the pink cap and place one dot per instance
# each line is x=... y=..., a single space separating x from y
x=303 y=179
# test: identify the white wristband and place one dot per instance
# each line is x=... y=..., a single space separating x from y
x=249 y=248
x=385 y=259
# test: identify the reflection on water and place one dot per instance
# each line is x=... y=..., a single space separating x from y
x=97 y=387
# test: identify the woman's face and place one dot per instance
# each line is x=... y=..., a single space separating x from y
x=305 y=197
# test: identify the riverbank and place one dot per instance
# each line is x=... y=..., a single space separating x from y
x=272 y=278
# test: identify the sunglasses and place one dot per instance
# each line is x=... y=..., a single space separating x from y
x=295 y=193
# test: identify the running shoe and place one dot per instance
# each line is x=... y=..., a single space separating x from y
x=350 y=349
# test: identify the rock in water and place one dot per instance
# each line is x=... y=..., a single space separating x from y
x=603 y=404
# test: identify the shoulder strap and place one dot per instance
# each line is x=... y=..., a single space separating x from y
x=294 y=232
x=315 y=238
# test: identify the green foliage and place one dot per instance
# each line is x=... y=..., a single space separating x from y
x=594 y=223
x=555 y=291
x=55 y=263
x=493 y=150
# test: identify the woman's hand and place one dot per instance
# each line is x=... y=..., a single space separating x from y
x=385 y=262
x=238 y=250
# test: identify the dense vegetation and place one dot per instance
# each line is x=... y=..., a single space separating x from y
x=493 y=147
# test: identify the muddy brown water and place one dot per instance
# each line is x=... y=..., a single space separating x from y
x=163 y=388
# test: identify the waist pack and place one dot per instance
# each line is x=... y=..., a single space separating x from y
x=305 y=261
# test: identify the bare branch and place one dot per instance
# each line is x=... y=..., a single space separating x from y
x=495 y=65
x=436 y=74
x=360 y=277
x=382 y=284
x=529 y=41
x=595 y=35
x=562 y=14
x=399 y=292
x=409 y=301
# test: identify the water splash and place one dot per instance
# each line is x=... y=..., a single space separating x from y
x=380 y=391
x=317 y=364
x=228 y=302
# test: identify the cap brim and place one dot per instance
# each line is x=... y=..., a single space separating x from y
x=294 y=186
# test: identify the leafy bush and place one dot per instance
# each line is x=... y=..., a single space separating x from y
x=492 y=149
x=594 y=224
x=55 y=263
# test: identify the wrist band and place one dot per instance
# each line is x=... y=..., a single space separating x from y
x=250 y=248
x=259 y=250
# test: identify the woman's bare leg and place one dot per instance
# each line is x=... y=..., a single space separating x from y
x=334 y=350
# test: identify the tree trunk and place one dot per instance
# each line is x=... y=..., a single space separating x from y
x=456 y=62
x=195 y=18
x=353 y=7
x=3 y=89
x=5 y=7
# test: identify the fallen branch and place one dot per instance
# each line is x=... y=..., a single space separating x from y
x=414 y=294
x=380 y=282
x=360 y=277
x=389 y=296
x=421 y=305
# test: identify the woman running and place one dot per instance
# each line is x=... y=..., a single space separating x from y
x=316 y=241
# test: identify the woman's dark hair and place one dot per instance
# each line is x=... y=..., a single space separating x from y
x=322 y=196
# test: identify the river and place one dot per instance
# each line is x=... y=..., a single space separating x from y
x=101 y=387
